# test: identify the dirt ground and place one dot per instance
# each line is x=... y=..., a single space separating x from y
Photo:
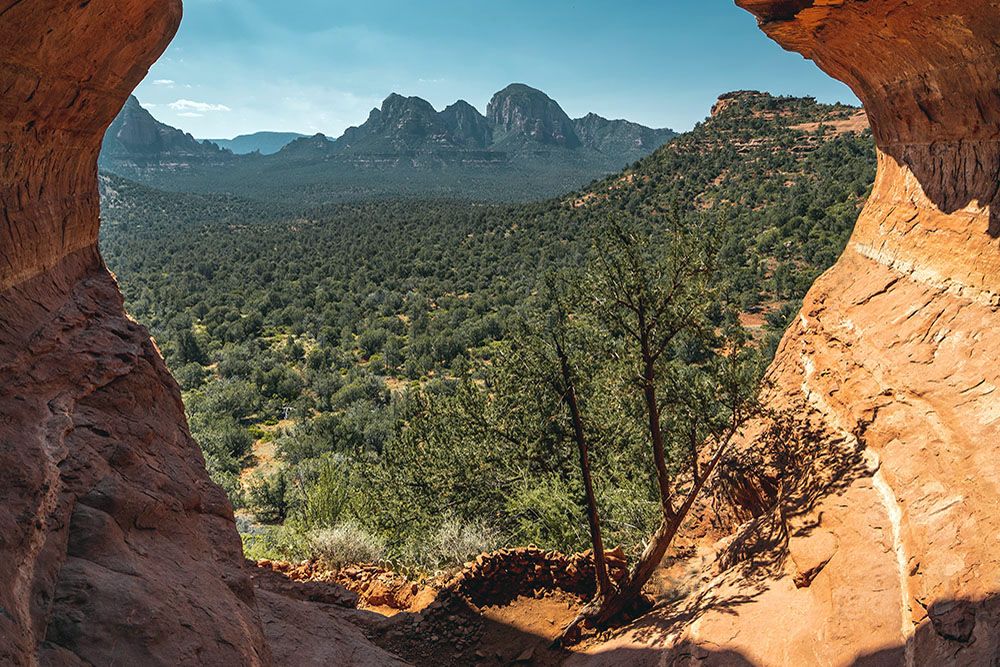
x=454 y=632
x=429 y=624
x=502 y=609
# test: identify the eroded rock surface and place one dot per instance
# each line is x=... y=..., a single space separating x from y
x=115 y=547
x=895 y=356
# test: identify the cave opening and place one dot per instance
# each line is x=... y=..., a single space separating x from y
x=118 y=546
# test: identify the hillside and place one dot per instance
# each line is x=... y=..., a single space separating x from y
x=304 y=334
x=525 y=148
x=790 y=173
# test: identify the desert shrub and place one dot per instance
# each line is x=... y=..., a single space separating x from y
x=452 y=544
x=286 y=542
x=323 y=492
x=191 y=376
x=226 y=444
x=344 y=544
x=237 y=399
x=547 y=512
x=630 y=513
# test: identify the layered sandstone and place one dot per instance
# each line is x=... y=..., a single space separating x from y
x=895 y=358
x=115 y=547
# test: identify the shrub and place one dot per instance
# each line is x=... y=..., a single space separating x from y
x=372 y=340
x=547 y=511
x=191 y=376
x=327 y=492
x=226 y=444
x=189 y=350
x=454 y=543
x=266 y=497
x=345 y=544
x=237 y=399
x=273 y=542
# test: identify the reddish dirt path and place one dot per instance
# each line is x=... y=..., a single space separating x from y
x=455 y=633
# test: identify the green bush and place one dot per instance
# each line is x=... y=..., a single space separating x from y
x=325 y=486
x=191 y=376
x=548 y=514
x=287 y=542
x=267 y=497
x=226 y=444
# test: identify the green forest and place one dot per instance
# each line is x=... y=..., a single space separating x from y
x=368 y=380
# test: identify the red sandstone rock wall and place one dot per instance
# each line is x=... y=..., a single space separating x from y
x=115 y=547
x=896 y=354
x=65 y=71
x=900 y=341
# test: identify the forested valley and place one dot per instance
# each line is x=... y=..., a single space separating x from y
x=367 y=380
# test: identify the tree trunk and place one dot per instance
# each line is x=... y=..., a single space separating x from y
x=600 y=562
x=602 y=610
x=653 y=416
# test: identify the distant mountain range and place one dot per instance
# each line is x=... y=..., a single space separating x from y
x=518 y=119
x=265 y=143
x=525 y=147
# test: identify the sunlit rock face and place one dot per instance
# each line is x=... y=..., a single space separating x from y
x=895 y=357
x=115 y=547
x=927 y=74
x=899 y=343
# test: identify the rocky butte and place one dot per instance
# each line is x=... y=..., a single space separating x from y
x=115 y=547
x=137 y=140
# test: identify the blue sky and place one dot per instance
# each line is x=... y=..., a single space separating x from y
x=238 y=66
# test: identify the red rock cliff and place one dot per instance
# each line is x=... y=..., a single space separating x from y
x=898 y=343
x=115 y=547
x=896 y=355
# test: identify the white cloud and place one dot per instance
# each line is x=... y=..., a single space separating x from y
x=164 y=82
x=191 y=106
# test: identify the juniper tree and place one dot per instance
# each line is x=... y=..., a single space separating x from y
x=688 y=372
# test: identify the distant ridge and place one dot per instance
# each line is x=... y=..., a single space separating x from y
x=524 y=147
x=517 y=118
x=265 y=143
